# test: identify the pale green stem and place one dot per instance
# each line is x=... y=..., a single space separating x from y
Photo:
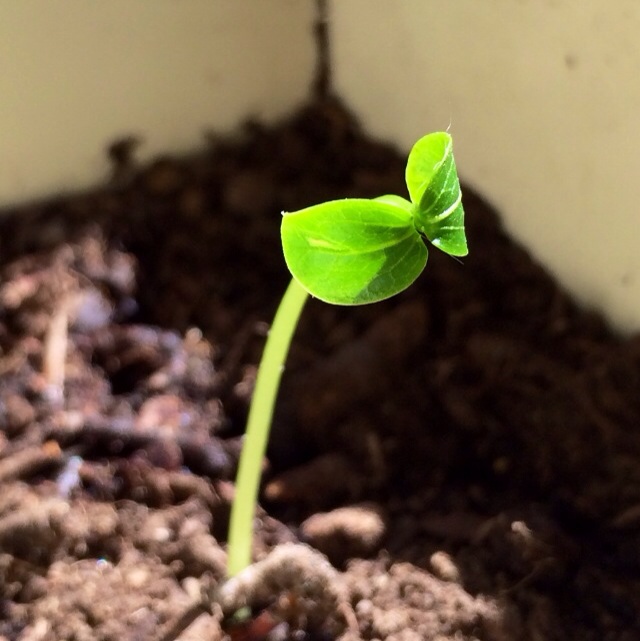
x=259 y=425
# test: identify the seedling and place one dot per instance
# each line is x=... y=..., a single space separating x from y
x=347 y=252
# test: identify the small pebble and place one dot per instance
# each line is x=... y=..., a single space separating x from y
x=347 y=532
x=443 y=566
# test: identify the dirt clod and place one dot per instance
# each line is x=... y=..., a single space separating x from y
x=346 y=532
x=298 y=582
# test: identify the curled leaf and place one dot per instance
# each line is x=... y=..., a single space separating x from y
x=434 y=188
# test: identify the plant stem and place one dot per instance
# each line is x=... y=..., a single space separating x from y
x=258 y=427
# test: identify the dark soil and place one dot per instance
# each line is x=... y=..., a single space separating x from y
x=466 y=454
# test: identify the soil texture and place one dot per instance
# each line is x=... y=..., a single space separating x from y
x=465 y=455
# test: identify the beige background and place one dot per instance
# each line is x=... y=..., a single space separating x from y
x=76 y=74
x=542 y=97
x=543 y=100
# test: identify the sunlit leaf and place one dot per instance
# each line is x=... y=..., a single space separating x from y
x=398 y=201
x=353 y=251
x=434 y=187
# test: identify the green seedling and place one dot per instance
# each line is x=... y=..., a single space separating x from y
x=347 y=252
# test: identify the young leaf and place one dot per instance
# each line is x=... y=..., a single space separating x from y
x=353 y=251
x=434 y=188
x=398 y=201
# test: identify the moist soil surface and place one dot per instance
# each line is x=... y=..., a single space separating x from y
x=466 y=455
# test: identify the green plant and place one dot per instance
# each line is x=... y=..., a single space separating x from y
x=347 y=252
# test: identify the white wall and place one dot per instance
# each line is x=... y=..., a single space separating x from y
x=543 y=98
x=77 y=74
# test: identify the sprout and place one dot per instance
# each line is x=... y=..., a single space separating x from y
x=347 y=252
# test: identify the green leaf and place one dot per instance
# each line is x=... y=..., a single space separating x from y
x=353 y=251
x=434 y=188
x=398 y=201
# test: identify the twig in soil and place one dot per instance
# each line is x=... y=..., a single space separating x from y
x=25 y=463
x=55 y=353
